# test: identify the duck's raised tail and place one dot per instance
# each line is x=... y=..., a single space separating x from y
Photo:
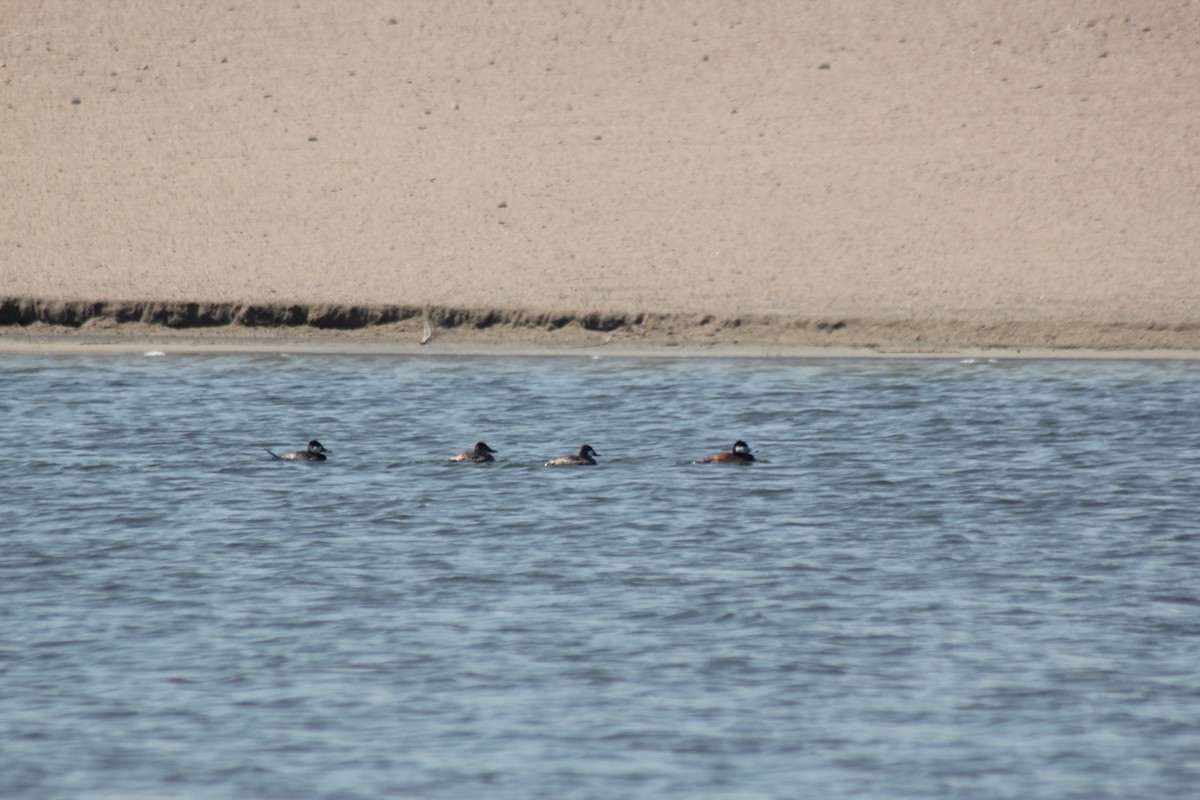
x=277 y=458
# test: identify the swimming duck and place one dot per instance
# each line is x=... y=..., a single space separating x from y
x=314 y=452
x=480 y=454
x=740 y=454
x=584 y=457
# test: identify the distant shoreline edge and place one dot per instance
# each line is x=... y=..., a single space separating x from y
x=64 y=321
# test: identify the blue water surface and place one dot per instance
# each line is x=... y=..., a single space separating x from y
x=942 y=579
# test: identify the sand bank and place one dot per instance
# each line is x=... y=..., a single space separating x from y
x=867 y=175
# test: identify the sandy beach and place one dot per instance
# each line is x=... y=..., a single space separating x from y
x=775 y=177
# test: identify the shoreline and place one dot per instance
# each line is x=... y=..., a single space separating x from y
x=125 y=328
x=337 y=346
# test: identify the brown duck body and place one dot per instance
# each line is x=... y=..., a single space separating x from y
x=740 y=454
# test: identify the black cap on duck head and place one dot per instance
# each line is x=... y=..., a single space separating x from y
x=587 y=450
x=741 y=447
x=317 y=447
x=481 y=447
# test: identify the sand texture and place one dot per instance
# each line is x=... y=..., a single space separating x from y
x=863 y=174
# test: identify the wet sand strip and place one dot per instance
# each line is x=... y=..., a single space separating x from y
x=440 y=325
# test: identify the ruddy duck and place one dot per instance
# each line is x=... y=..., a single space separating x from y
x=585 y=457
x=740 y=454
x=314 y=452
x=480 y=454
